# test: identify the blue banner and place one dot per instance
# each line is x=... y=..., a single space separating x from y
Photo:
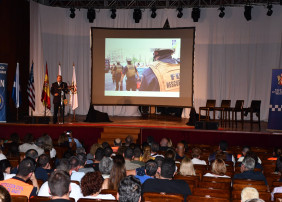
x=275 y=107
x=3 y=73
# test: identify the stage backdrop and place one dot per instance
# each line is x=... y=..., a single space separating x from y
x=233 y=57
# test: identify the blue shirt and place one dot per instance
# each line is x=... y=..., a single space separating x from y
x=143 y=178
x=250 y=174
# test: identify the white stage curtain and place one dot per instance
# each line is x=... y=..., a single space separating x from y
x=233 y=58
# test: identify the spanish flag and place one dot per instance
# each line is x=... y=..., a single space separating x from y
x=45 y=96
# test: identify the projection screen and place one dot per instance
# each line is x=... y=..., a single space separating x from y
x=142 y=66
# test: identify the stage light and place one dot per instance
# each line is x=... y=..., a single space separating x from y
x=248 y=12
x=196 y=14
x=72 y=14
x=222 y=13
x=113 y=15
x=179 y=14
x=137 y=15
x=270 y=11
x=91 y=15
x=154 y=14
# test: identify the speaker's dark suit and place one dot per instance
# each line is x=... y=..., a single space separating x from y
x=56 y=88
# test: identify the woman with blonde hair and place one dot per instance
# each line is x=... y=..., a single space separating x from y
x=186 y=167
x=218 y=169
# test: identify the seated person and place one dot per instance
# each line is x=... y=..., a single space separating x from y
x=118 y=172
x=91 y=185
x=150 y=171
x=180 y=151
x=279 y=169
x=146 y=154
x=30 y=144
x=2 y=156
x=254 y=156
x=164 y=144
x=4 y=195
x=129 y=190
x=223 y=146
x=196 y=155
x=59 y=184
x=247 y=171
x=218 y=169
x=186 y=167
x=17 y=185
x=43 y=168
x=99 y=154
x=166 y=183
x=136 y=156
x=91 y=154
x=5 y=168
x=128 y=157
x=155 y=147
x=249 y=193
x=105 y=166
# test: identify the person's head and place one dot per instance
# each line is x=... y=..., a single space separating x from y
x=129 y=61
x=161 y=53
x=218 y=167
x=151 y=167
x=82 y=159
x=91 y=183
x=32 y=153
x=99 y=154
x=155 y=147
x=63 y=138
x=74 y=163
x=186 y=167
x=220 y=155
x=59 y=184
x=64 y=165
x=137 y=152
x=128 y=140
x=150 y=140
x=14 y=150
x=26 y=168
x=252 y=155
x=128 y=154
x=245 y=150
x=248 y=163
x=249 y=193
x=277 y=152
x=121 y=150
x=14 y=137
x=164 y=142
x=146 y=153
x=80 y=150
x=118 y=172
x=132 y=145
x=28 y=138
x=170 y=154
x=196 y=152
x=59 y=78
x=105 y=145
x=4 y=195
x=129 y=190
x=255 y=200
x=43 y=161
x=223 y=145
x=159 y=160
x=180 y=149
x=108 y=151
x=5 y=166
x=94 y=148
x=117 y=142
x=168 y=169
x=47 y=142
x=105 y=165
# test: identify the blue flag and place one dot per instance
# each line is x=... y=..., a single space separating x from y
x=16 y=93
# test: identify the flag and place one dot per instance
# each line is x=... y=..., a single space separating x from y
x=73 y=94
x=45 y=96
x=59 y=71
x=16 y=94
x=30 y=89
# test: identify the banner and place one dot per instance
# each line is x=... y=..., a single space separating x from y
x=3 y=73
x=73 y=93
x=275 y=108
x=16 y=93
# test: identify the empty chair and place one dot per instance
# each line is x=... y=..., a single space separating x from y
x=223 y=109
x=239 y=108
x=210 y=105
x=254 y=109
x=156 y=197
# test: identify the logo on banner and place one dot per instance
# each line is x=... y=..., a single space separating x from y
x=1 y=102
x=279 y=77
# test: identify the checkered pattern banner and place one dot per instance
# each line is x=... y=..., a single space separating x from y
x=275 y=107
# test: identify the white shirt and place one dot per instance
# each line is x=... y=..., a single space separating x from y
x=53 y=153
x=75 y=191
x=8 y=176
x=2 y=157
x=242 y=158
x=212 y=175
x=196 y=161
x=26 y=146
x=102 y=196
x=275 y=190
x=77 y=176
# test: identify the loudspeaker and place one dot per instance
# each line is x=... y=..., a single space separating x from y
x=207 y=125
x=37 y=119
x=96 y=116
x=200 y=125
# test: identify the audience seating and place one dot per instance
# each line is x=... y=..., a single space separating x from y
x=93 y=200
x=216 y=179
x=278 y=197
x=191 y=180
x=76 y=182
x=215 y=185
x=240 y=187
x=193 y=198
x=210 y=105
x=14 y=162
x=156 y=197
x=109 y=191
x=236 y=195
x=19 y=198
x=218 y=193
x=248 y=182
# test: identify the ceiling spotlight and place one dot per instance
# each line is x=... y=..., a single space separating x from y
x=248 y=12
x=196 y=13
x=137 y=15
x=91 y=15
x=270 y=11
x=72 y=14
x=222 y=13
x=179 y=14
x=154 y=14
x=113 y=15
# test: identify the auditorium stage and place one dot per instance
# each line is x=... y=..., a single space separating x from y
x=157 y=126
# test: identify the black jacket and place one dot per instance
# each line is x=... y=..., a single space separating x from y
x=57 y=89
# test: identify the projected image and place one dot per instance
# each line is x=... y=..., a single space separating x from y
x=142 y=67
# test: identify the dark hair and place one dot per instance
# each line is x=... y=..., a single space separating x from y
x=129 y=189
x=28 y=138
x=108 y=151
x=121 y=150
x=155 y=147
x=170 y=154
x=59 y=183
x=26 y=167
x=118 y=172
x=91 y=183
x=128 y=154
x=159 y=160
x=1 y=176
x=185 y=145
x=132 y=145
x=74 y=162
x=4 y=194
x=4 y=164
x=137 y=152
x=13 y=150
x=31 y=153
x=63 y=165
x=279 y=165
x=99 y=154
x=105 y=145
x=150 y=139
x=168 y=168
x=105 y=165
x=223 y=145
x=14 y=137
x=196 y=152
x=82 y=158
x=43 y=160
x=128 y=140
x=151 y=168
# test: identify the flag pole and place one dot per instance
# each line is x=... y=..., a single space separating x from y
x=17 y=114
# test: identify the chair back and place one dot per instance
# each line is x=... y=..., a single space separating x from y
x=219 y=193
x=216 y=179
x=156 y=197
x=109 y=191
x=255 y=105
x=236 y=195
x=278 y=197
x=239 y=104
x=206 y=199
x=248 y=182
x=215 y=185
x=19 y=198
x=225 y=103
x=93 y=200
x=259 y=187
x=43 y=198
x=210 y=103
